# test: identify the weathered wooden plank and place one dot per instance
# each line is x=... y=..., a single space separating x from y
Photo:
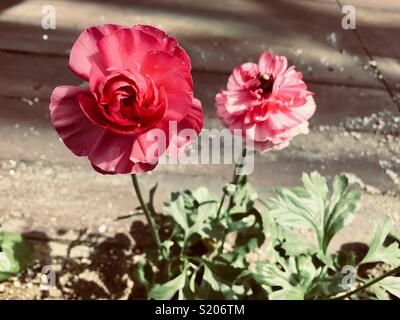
x=377 y=30
x=32 y=77
x=217 y=36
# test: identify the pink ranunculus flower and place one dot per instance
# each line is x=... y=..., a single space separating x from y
x=139 y=82
x=268 y=103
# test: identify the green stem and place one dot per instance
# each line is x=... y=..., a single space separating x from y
x=237 y=176
x=365 y=286
x=147 y=212
x=220 y=206
x=235 y=180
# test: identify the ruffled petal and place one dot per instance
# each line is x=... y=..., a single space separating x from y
x=170 y=73
x=85 y=51
x=187 y=130
x=111 y=152
x=149 y=146
x=169 y=44
x=126 y=48
x=266 y=63
x=241 y=75
x=75 y=129
x=132 y=168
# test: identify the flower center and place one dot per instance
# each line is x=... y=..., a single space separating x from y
x=266 y=83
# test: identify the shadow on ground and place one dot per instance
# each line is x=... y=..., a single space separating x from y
x=91 y=266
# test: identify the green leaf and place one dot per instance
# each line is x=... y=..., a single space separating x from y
x=206 y=209
x=209 y=278
x=176 y=209
x=16 y=255
x=395 y=235
x=293 y=243
x=380 y=292
x=243 y=198
x=219 y=280
x=1 y=236
x=295 y=276
x=342 y=206
x=377 y=251
x=292 y=293
x=311 y=206
x=390 y=284
x=223 y=271
x=141 y=274
x=192 y=210
x=168 y=290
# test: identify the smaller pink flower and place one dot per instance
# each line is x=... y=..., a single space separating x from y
x=268 y=102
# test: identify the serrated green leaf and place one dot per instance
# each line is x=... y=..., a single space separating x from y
x=207 y=207
x=191 y=210
x=380 y=292
x=294 y=275
x=390 y=284
x=311 y=207
x=327 y=285
x=168 y=290
x=377 y=252
x=243 y=198
x=293 y=243
x=176 y=209
x=342 y=206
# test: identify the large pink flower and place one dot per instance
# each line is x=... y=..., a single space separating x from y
x=268 y=102
x=139 y=82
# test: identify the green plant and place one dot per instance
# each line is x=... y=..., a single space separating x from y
x=15 y=254
x=299 y=269
x=205 y=245
x=195 y=261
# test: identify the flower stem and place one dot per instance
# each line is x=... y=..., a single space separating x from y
x=235 y=180
x=147 y=212
x=221 y=203
x=365 y=286
x=237 y=175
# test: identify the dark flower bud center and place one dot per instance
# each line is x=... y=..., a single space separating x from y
x=266 y=83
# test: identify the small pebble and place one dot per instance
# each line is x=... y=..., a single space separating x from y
x=102 y=228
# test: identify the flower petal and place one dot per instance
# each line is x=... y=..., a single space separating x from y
x=169 y=44
x=170 y=73
x=111 y=152
x=126 y=48
x=85 y=49
x=187 y=130
x=134 y=168
x=74 y=128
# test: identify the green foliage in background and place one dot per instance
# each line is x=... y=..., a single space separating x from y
x=15 y=254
